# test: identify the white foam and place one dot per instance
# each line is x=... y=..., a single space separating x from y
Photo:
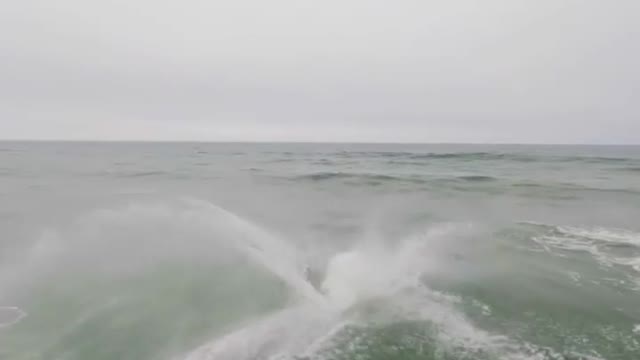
x=370 y=271
x=353 y=276
x=527 y=351
x=486 y=309
x=140 y=235
x=15 y=313
x=575 y=276
x=286 y=333
x=636 y=329
x=620 y=236
x=361 y=274
x=274 y=254
x=593 y=241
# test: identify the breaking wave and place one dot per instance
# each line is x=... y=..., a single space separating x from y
x=195 y=281
x=609 y=247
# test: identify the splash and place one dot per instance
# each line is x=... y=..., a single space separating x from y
x=274 y=254
x=11 y=315
x=365 y=288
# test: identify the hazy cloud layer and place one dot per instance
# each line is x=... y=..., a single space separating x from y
x=282 y=70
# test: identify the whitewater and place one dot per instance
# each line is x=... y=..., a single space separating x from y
x=193 y=251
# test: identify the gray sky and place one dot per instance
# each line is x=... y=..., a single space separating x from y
x=542 y=71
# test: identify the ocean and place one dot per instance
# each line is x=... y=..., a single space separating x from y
x=204 y=251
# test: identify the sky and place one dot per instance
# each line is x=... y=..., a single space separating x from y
x=491 y=71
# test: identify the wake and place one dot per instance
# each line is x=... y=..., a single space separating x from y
x=369 y=273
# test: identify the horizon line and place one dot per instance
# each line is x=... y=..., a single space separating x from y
x=308 y=142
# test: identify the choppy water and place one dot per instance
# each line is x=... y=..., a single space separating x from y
x=198 y=251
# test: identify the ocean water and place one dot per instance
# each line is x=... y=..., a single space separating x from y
x=194 y=251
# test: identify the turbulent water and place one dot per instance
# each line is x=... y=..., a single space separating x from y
x=205 y=251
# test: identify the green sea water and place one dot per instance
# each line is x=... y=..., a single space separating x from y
x=197 y=251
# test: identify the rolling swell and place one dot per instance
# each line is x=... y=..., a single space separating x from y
x=471 y=156
x=570 y=187
x=379 y=179
x=141 y=174
x=477 y=178
x=482 y=156
x=470 y=182
x=630 y=169
x=372 y=179
x=468 y=156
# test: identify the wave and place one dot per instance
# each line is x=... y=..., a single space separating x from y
x=417 y=158
x=135 y=174
x=175 y=174
x=375 y=297
x=564 y=187
x=603 y=244
x=630 y=169
x=371 y=290
x=615 y=236
x=10 y=315
x=470 y=156
x=156 y=256
x=477 y=178
x=378 y=179
x=372 y=154
x=380 y=308
x=603 y=159
x=372 y=179
x=124 y=174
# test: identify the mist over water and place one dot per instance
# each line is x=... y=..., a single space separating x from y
x=203 y=251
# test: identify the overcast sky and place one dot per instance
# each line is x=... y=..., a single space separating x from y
x=541 y=71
